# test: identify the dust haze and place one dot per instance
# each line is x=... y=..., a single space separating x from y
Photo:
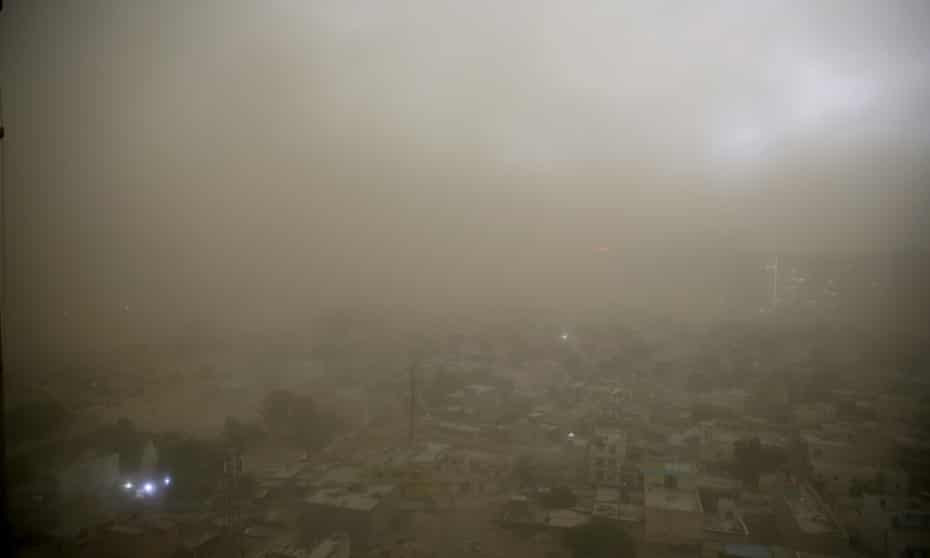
x=555 y=226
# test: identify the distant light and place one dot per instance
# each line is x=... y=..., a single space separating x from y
x=564 y=337
x=571 y=434
x=167 y=481
x=127 y=486
x=149 y=488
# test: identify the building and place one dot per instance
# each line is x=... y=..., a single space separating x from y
x=366 y=515
x=732 y=400
x=742 y=550
x=814 y=414
x=670 y=475
x=91 y=474
x=890 y=526
x=673 y=516
x=909 y=535
x=606 y=456
x=849 y=480
x=807 y=524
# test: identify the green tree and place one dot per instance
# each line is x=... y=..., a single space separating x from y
x=599 y=539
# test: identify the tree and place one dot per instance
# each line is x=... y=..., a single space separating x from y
x=295 y=417
x=240 y=435
x=599 y=539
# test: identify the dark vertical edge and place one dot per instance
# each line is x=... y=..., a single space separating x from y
x=6 y=541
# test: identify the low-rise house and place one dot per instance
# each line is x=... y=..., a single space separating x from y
x=807 y=523
x=814 y=414
x=673 y=516
x=850 y=481
x=606 y=456
x=890 y=525
x=366 y=514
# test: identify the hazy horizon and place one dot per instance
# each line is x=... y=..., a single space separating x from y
x=237 y=163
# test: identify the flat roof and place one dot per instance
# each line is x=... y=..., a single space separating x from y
x=565 y=518
x=362 y=500
x=673 y=499
x=810 y=513
x=746 y=551
x=341 y=474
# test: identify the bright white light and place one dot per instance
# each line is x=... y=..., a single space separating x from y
x=167 y=481
x=149 y=488
x=564 y=337
x=571 y=434
x=127 y=486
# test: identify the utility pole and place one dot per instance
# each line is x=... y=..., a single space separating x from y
x=413 y=403
x=775 y=284
x=773 y=267
x=232 y=470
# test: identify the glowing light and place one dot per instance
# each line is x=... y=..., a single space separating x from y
x=127 y=486
x=167 y=481
x=149 y=488
x=564 y=337
x=571 y=434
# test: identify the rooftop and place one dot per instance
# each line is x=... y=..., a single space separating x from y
x=480 y=388
x=729 y=526
x=669 y=469
x=719 y=483
x=341 y=475
x=746 y=551
x=565 y=518
x=810 y=513
x=673 y=499
x=360 y=500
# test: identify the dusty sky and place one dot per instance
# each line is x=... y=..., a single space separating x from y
x=241 y=161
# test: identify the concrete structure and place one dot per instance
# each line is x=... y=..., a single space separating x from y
x=814 y=414
x=606 y=455
x=673 y=516
x=841 y=480
x=365 y=515
x=682 y=476
x=890 y=526
x=807 y=524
